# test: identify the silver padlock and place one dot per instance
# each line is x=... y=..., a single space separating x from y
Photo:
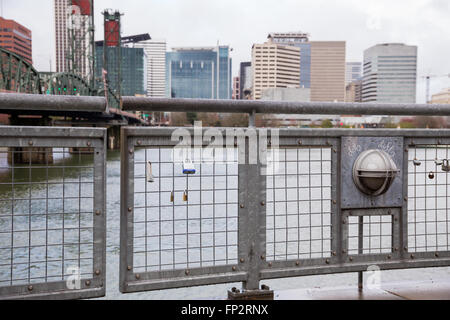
x=446 y=166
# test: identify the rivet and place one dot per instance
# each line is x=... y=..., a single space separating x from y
x=30 y=143
x=389 y=257
x=436 y=255
x=187 y=272
x=263 y=203
x=97 y=212
x=334 y=150
x=242 y=260
x=412 y=256
x=406 y=249
x=130 y=209
x=30 y=288
x=389 y=211
x=270 y=264
x=334 y=202
x=97 y=272
x=344 y=221
x=351 y=259
x=406 y=199
x=139 y=142
x=88 y=283
x=234 y=268
x=242 y=206
x=263 y=257
x=327 y=261
x=300 y=142
x=431 y=175
x=395 y=219
x=344 y=251
x=88 y=143
x=297 y=263
x=334 y=253
x=138 y=276
x=129 y=268
x=131 y=151
x=395 y=249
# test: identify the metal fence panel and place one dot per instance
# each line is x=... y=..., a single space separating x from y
x=52 y=213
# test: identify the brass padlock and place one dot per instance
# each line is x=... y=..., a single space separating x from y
x=185 y=196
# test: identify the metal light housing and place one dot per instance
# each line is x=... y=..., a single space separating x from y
x=374 y=171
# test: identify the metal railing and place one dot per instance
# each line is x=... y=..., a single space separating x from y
x=52 y=212
x=294 y=212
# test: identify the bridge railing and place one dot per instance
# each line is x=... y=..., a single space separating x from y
x=52 y=212
x=202 y=206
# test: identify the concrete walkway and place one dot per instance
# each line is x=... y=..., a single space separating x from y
x=425 y=290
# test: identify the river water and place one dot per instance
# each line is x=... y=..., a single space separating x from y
x=113 y=242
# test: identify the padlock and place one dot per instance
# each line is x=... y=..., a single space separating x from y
x=185 y=196
x=149 y=170
x=446 y=166
x=172 y=198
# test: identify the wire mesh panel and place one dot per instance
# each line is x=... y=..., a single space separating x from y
x=370 y=235
x=180 y=221
x=428 y=202
x=184 y=221
x=298 y=215
x=49 y=233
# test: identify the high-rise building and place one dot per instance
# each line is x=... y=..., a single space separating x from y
x=442 y=97
x=132 y=69
x=353 y=72
x=328 y=71
x=300 y=40
x=236 y=89
x=390 y=73
x=74 y=36
x=274 y=66
x=155 y=50
x=322 y=64
x=200 y=72
x=245 y=80
x=16 y=38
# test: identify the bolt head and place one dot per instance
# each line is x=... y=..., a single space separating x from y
x=138 y=276
x=300 y=142
x=263 y=203
x=234 y=268
x=131 y=151
x=130 y=209
x=297 y=263
x=270 y=264
x=242 y=206
x=187 y=272
x=242 y=260
x=139 y=142
x=88 y=283
x=88 y=144
x=30 y=288
x=129 y=268
x=98 y=212
x=30 y=143
x=97 y=272
x=263 y=257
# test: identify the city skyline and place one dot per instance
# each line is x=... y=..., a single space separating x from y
x=421 y=22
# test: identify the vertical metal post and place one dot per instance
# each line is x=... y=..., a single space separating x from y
x=360 y=250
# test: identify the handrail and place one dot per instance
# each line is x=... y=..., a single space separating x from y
x=281 y=107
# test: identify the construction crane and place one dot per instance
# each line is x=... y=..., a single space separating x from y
x=428 y=78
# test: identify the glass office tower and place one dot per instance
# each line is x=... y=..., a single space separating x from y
x=199 y=73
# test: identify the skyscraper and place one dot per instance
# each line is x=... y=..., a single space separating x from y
x=328 y=71
x=274 y=66
x=74 y=36
x=155 y=51
x=390 y=72
x=16 y=38
x=200 y=72
x=322 y=64
x=353 y=72
x=236 y=88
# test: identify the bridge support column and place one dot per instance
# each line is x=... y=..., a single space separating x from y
x=113 y=138
x=30 y=155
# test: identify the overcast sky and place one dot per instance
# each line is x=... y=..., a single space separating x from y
x=240 y=23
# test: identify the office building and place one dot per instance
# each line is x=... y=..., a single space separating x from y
x=442 y=97
x=353 y=91
x=328 y=71
x=274 y=66
x=72 y=36
x=16 y=38
x=155 y=51
x=132 y=70
x=353 y=72
x=245 y=80
x=322 y=64
x=390 y=72
x=300 y=40
x=199 y=72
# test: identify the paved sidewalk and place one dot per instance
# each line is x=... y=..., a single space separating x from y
x=425 y=290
